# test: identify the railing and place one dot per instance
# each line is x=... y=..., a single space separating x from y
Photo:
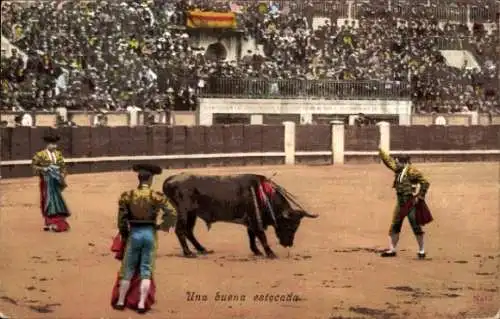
x=435 y=9
x=326 y=89
x=451 y=12
x=355 y=9
x=452 y=43
x=330 y=8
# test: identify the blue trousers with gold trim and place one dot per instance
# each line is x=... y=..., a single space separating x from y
x=140 y=252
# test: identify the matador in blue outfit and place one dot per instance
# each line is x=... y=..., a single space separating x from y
x=137 y=215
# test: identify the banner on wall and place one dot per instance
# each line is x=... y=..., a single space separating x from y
x=211 y=20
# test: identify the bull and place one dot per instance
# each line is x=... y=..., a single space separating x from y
x=247 y=199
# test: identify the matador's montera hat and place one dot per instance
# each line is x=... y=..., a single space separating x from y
x=144 y=168
x=51 y=137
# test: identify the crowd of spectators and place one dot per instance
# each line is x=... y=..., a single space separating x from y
x=112 y=54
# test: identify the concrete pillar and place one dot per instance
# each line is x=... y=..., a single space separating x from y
x=133 y=118
x=337 y=142
x=385 y=136
x=256 y=119
x=306 y=118
x=289 y=142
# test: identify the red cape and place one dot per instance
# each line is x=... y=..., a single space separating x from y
x=118 y=247
x=422 y=215
x=134 y=292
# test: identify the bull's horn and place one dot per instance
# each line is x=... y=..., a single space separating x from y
x=306 y=214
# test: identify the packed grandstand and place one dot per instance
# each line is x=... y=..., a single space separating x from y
x=113 y=54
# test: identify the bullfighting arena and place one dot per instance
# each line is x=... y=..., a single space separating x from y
x=333 y=271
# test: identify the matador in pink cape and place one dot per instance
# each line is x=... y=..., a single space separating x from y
x=48 y=164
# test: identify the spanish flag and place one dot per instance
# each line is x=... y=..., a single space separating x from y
x=199 y=19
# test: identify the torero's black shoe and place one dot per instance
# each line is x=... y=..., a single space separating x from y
x=141 y=310
x=421 y=255
x=118 y=307
x=388 y=254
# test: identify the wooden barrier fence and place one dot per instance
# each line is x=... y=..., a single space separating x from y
x=101 y=149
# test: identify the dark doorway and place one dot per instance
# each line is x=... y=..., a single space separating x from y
x=216 y=51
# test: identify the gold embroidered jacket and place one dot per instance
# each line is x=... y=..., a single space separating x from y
x=141 y=206
x=42 y=159
x=404 y=179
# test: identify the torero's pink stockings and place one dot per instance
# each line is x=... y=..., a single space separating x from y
x=393 y=242
x=124 y=286
x=420 y=240
x=145 y=285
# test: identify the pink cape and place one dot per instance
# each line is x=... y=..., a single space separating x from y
x=58 y=221
x=133 y=295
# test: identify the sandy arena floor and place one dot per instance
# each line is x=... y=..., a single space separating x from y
x=333 y=269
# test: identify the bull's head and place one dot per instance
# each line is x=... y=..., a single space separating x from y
x=287 y=225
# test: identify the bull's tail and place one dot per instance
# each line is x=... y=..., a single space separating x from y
x=171 y=191
x=168 y=188
x=170 y=183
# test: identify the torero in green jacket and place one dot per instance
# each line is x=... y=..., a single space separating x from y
x=411 y=187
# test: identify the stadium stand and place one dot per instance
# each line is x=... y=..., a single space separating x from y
x=111 y=55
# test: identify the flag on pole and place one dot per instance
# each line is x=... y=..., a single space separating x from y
x=199 y=19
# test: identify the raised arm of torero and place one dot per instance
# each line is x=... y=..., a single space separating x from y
x=414 y=175
x=388 y=161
